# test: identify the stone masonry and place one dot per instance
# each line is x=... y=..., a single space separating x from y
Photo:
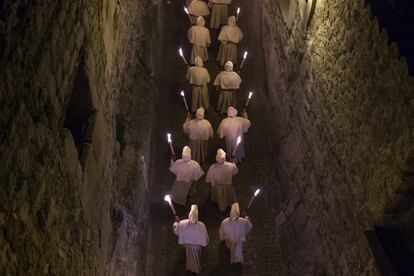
x=341 y=106
x=71 y=209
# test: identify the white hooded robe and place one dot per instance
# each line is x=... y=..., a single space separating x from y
x=221 y=178
x=192 y=234
x=198 y=8
x=199 y=36
x=219 y=12
x=233 y=232
x=199 y=131
x=228 y=81
x=186 y=173
x=230 y=128
x=199 y=77
x=230 y=35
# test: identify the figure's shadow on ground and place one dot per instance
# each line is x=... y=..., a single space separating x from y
x=179 y=265
x=224 y=267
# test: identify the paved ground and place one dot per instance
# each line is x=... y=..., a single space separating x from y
x=262 y=253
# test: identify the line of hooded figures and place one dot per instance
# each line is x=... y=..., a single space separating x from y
x=192 y=232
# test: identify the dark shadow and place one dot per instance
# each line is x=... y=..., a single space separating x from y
x=396 y=235
x=179 y=266
x=80 y=112
x=396 y=249
x=380 y=256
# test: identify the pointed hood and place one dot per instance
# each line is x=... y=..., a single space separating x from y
x=198 y=61
x=220 y=156
x=232 y=21
x=231 y=112
x=228 y=66
x=200 y=113
x=193 y=215
x=235 y=211
x=186 y=155
x=201 y=21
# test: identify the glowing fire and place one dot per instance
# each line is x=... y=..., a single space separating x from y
x=167 y=198
x=238 y=140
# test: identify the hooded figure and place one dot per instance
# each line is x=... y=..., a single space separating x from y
x=220 y=175
x=230 y=35
x=199 y=130
x=230 y=128
x=233 y=231
x=199 y=36
x=198 y=8
x=186 y=171
x=228 y=82
x=192 y=234
x=219 y=12
x=199 y=77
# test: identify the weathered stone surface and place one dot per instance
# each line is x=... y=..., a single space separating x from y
x=332 y=131
x=340 y=105
x=56 y=215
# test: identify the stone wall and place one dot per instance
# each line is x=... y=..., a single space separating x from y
x=69 y=209
x=340 y=107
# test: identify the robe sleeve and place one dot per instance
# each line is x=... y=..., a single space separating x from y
x=206 y=234
x=208 y=39
x=208 y=176
x=247 y=227
x=207 y=76
x=220 y=130
x=173 y=168
x=235 y=170
x=217 y=80
x=246 y=125
x=198 y=172
x=188 y=75
x=221 y=232
x=176 y=228
x=222 y=36
x=241 y=35
x=189 y=35
x=210 y=130
x=186 y=126
x=239 y=79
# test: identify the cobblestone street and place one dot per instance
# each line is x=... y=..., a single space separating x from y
x=262 y=253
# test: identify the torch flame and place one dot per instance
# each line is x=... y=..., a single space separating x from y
x=169 y=137
x=186 y=10
x=182 y=93
x=180 y=51
x=167 y=198
x=245 y=55
x=257 y=192
x=238 y=10
x=238 y=140
x=250 y=95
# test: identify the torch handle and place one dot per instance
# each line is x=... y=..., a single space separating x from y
x=185 y=103
x=241 y=65
x=191 y=20
x=236 y=147
x=172 y=149
x=172 y=208
x=250 y=203
x=247 y=103
x=185 y=60
x=234 y=151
